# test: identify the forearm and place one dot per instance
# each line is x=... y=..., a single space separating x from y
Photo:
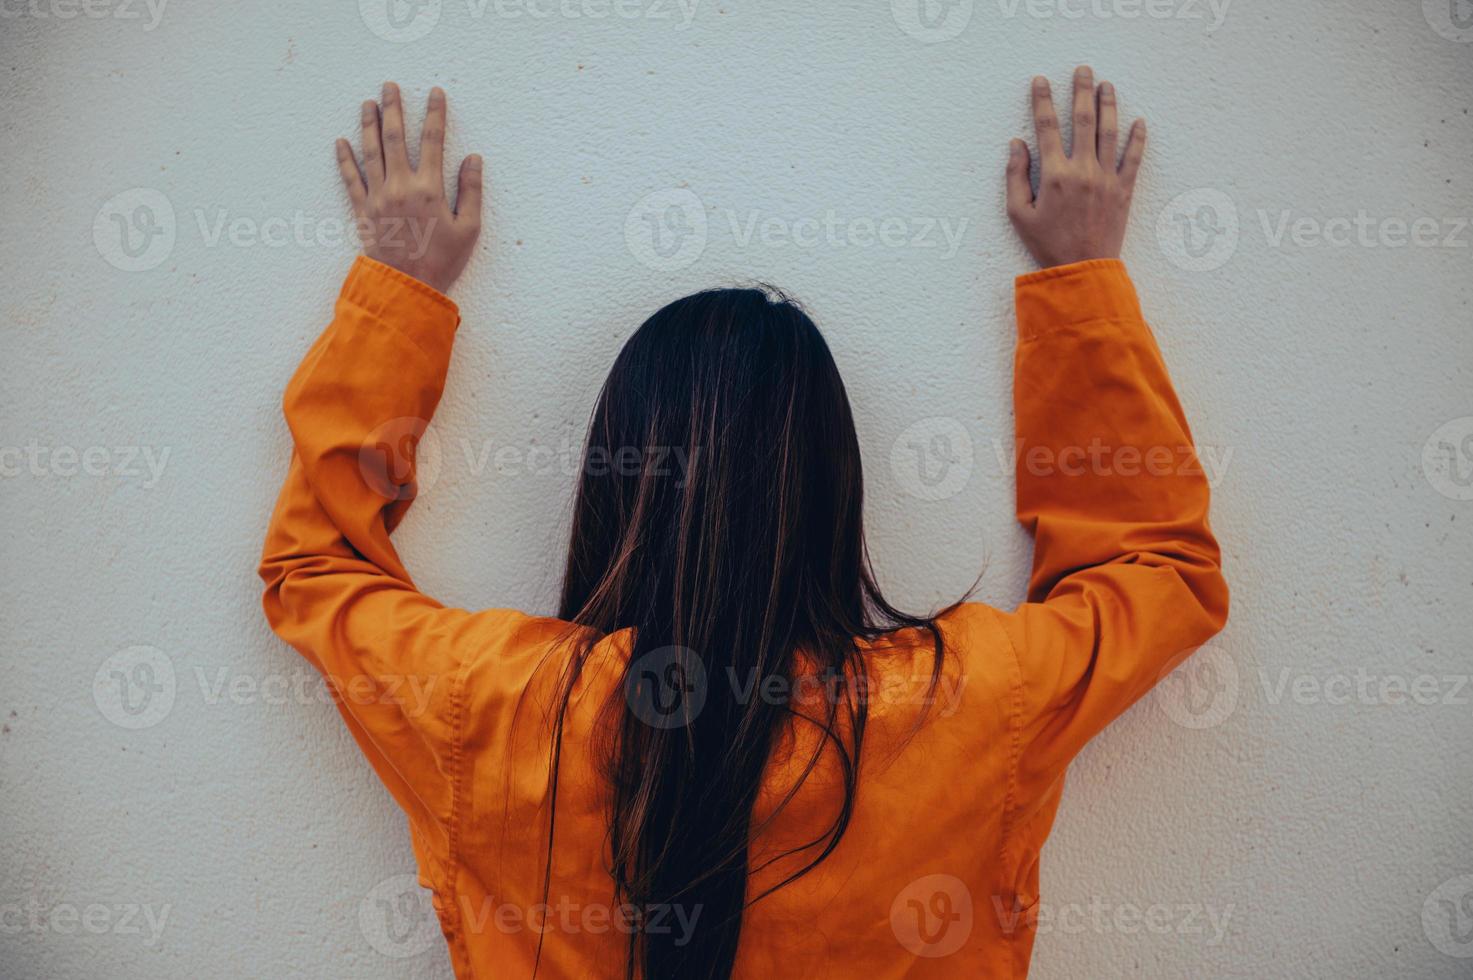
x=364 y=395
x=1106 y=469
x=356 y=408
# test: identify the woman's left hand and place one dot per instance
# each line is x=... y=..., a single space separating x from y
x=404 y=219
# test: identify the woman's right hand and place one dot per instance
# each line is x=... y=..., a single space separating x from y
x=1084 y=197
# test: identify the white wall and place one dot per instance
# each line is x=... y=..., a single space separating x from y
x=1322 y=820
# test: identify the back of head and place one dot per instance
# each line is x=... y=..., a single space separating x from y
x=719 y=517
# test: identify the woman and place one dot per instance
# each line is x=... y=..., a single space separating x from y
x=728 y=755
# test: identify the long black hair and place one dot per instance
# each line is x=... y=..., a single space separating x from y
x=720 y=517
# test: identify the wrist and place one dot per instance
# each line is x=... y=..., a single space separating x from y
x=1076 y=293
x=404 y=302
x=1075 y=255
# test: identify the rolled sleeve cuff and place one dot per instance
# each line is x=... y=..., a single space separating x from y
x=1067 y=295
x=419 y=311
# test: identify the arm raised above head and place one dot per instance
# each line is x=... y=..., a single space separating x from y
x=393 y=658
x=1126 y=575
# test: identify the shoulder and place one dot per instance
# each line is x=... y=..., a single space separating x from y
x=978 y=676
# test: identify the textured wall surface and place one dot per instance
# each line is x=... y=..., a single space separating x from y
x=177 y=799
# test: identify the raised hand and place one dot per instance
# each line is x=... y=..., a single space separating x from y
x=404 y=219
x=1083 y=196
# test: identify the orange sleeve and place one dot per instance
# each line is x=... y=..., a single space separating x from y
x=335 y=588
x=1126 y=573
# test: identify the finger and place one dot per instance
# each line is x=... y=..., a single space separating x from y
x=432 y=138
x=468 y=193
x=352 y=176
x=1105 y=139
x=1020 y=191
x=396 y=159
x=1135 y=149
x=373 y=150
x=1045 y=122
x=1083 y=143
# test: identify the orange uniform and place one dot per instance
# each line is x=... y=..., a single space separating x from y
x=937 y=875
